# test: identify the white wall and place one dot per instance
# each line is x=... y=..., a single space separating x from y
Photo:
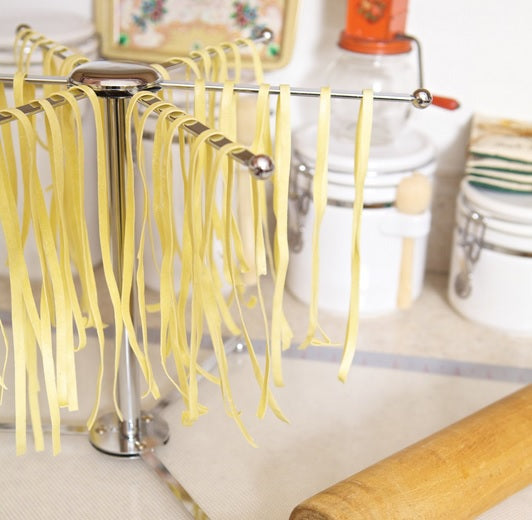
x=81 y=7
x=477 y=51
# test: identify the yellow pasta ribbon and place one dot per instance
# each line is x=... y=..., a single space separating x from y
x=255 y=56
x=281 y=334
x=6 y=356
x=74 y=206
x=58 y=269
x=128 y=261
x=189 y=63
x=362 y=145
x=27 y=326
x=104 y=232
x=139 y=129
x=8 y=149
x=62 y=237
x=319 y=198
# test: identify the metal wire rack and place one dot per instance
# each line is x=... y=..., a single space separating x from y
x=140 y=432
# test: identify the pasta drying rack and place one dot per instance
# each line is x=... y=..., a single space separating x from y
x=139 y=432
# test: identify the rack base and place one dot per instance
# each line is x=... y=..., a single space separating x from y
x=106 y=435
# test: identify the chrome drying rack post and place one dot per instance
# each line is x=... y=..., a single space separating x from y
x=139 y=432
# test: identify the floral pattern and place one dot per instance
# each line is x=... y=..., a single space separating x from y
x=151 y=11
x=372 y=10
x=165 y=25
x=243 y=14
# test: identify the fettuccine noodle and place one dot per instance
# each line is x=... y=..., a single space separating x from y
x=48 y=328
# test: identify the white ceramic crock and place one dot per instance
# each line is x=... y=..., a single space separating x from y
x=490 y=279
x=383 y=228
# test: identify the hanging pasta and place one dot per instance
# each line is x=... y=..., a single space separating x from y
x=319 y=198
x=61 y=238
x=362 y=146
x=49 y=329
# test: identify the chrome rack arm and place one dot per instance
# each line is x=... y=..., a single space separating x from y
x=35 y=79
x=260 y=166
x=34 y=107
x=420 y=98
x=63 y=54
x=265 y=36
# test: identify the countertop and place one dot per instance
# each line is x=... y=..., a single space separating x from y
x=415 y=372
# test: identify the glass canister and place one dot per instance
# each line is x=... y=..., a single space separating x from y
x=384 y=73
x=375 y=53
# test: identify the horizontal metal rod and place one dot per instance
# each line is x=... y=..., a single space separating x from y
x=35 y=79
x=299 y=91
x=35 y=108
x=46 y=46
x=265 y=36
x=421 y=98
x=260 y=166
x=65 y=429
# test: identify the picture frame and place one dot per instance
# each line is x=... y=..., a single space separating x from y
x=154 y=31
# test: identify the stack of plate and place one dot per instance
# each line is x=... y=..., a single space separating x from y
x=500 y=155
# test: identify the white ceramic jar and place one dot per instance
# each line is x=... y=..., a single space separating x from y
x=78 y=34
x=383 y=228
x=490 y=279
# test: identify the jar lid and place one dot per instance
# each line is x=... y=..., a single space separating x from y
x=508 y=206
x=67 y=28
x=411 y=150
x=372 y=46
x=376 y=27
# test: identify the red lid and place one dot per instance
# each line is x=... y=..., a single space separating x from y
x=375 y=27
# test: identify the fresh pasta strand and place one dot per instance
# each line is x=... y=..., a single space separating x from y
x=200 y=306
x=281 y=334
x=59 y=270
x=362 y=145
x=261 y=144
x=255 y=57
x=139 y=130
x=27 y=325
x=225 y=120
x=172 y=311
x=3 y=386
x=262 y=379
x=104 y=232
x=8 y=148
x=319 y=197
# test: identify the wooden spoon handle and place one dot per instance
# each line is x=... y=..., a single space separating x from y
x=404 y=292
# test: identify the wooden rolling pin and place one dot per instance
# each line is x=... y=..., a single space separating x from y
x=457 y=473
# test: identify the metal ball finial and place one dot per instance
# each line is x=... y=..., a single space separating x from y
x=266 y=35
x=261 y=166
x=422 y=98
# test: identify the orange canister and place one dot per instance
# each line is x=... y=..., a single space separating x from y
x=375 y=27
